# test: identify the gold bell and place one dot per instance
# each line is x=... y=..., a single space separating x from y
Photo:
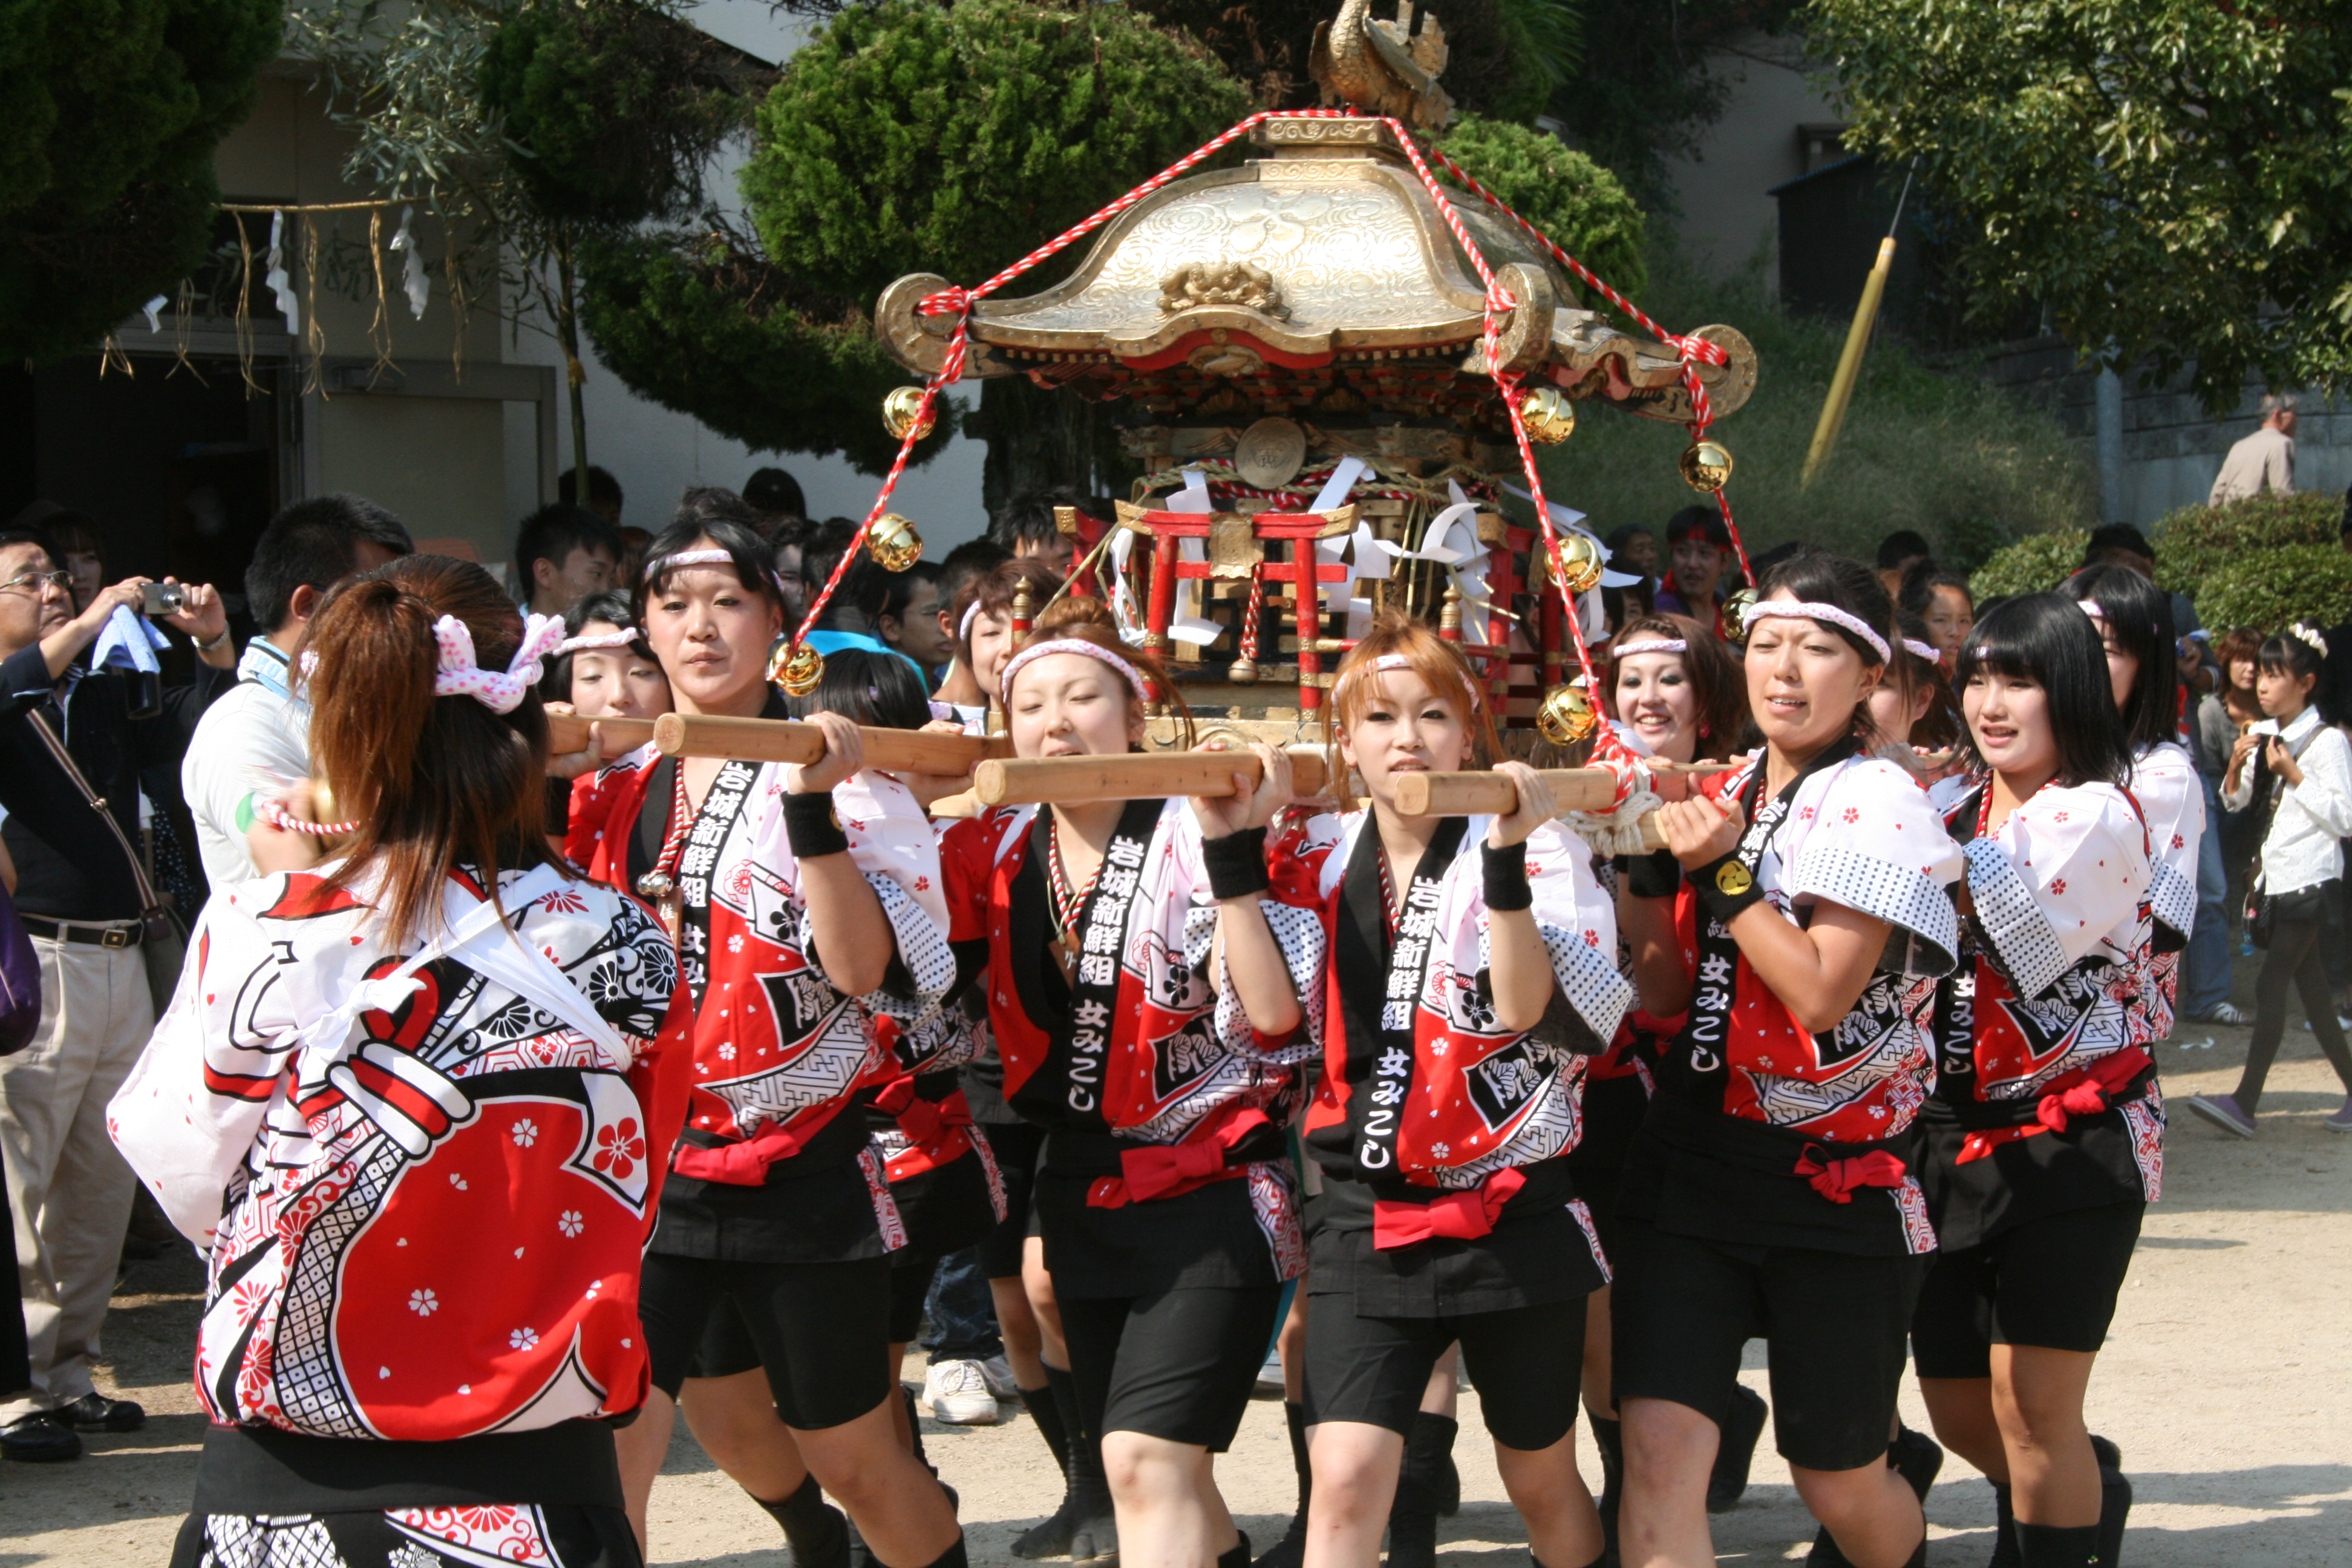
x=1241 y=672
x=903 y=411
x=1566 y=716
x=1548 y=415
x=1706 y=465
x=797 y=667
x=1579 y=562
x=893 y=541
x=1735 y=613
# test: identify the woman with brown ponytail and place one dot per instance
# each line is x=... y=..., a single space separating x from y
x=411 y=1099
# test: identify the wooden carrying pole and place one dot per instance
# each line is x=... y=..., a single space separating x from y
x=569 y=732
x=1472 y=794
x=792 y=740
x=1135 y=775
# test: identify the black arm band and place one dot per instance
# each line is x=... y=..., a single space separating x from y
x=1237 y=864
x=1658 y=875
x=812 y=829
x=1507 y=877
x=1724 y=888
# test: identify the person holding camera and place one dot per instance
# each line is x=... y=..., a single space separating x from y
x=73 y=740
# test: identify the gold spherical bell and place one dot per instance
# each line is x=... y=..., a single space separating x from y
x=1548 y=415
x=1579 y=562
x=903 y=411
x=894 y=543
x=1242 y=672
x=796 y=669
x=1566 y=716
x=1735 y=613
x=1707 y=466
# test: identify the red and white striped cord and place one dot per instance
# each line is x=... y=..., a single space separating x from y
x=1254 y=611
x=274 y=812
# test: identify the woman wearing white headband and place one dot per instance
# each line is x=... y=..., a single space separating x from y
x=1677 y=694
x=1769 y=1193
x=384 y=1067
x=1454 y=976
x=601 y=669
x=807 y=908
x=1166 y=1209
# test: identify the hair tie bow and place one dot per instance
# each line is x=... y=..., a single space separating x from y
x=500 y=692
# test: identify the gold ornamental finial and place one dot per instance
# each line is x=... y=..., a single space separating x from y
x=1382 y=67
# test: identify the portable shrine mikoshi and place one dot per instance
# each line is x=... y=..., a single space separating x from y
x=1333 y=362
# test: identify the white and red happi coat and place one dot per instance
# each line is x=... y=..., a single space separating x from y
x=2171 y=797
x=2043 y=1027
x=424 y=1199
x=1466 y=1100
x=1151 y=1056
x=777 y=1052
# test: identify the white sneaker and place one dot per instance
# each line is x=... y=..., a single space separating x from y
x=1001 y=1381
x=958 y=1393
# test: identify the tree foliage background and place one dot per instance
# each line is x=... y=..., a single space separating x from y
x=113 y=111
x=2171 y=179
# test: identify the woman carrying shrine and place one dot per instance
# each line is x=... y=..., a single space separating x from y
x=810 y=927
x=2044 y=1141
x=1678 y=694
x=1164 y=1200
x=388 y=1061
x=1772 y=1191
x=1457 y=974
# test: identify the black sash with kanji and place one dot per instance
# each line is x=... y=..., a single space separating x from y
x=1078 y=1012
x=1695 y=1067
x=1382 y=978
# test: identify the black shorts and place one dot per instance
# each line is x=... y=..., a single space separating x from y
x=1179 y=1364
x=818 y=1329
x=1017 y=1146
x=726 y=1348
x=1681 y=1308
x=2051 y=1282
x=566 y=1536
x=910 y=1287
x=1527 y=1362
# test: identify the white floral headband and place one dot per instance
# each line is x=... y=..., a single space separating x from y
x=963 y=626
x=1651 y=645
x=621 y=638
x=661 y=565
x=1388 y=661
x=1921 y=650
x=457 y=675
x=2309 y=636
x=1808 y=610
x=1080 y=646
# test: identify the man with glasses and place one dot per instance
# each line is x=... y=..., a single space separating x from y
x=72 y=742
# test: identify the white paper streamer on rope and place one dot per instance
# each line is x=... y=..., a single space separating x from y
x=412 y=281
x=1185 y=623
x=1451 y=539
x=1365 y=559
x=280 y=283
x=153 y=311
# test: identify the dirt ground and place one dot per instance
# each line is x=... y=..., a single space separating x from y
x=2224 y=1382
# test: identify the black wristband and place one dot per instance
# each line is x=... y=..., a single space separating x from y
x=1237 y=864
x=1724 y=888
x=811 y=826
x=1507 y=877
x=1658 y=875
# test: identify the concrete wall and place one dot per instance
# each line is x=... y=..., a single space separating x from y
x=1727 y=214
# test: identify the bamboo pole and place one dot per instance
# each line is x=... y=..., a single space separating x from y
x=1133 y=776
x=1470 y=793
x=1849 y=368
x=792 y=740
x=569 y=732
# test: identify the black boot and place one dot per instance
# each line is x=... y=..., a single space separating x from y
x=2114 y=1511
x=1237 y=1555
x=1094 y=1526
x=1413 y=1516
x=1448 y=1479
x=1609 y=1436
x=1743 y=1423
x=1291 y=1550
x=2048 y=1546
x=860 y=1554
x=2004 y=1529
x=953 y=1557
x=1048 y=1413
x=1051 y=1536
x=817 y=1532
